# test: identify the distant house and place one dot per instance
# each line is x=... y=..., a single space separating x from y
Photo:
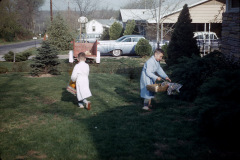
x=97 y=26
x=202 y=12
x=231 y=29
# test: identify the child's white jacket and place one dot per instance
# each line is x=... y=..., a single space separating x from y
x=80 y=75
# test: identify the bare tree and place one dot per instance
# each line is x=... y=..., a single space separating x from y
x=86 y=6
x=104 y=13
x=141 y=4
x=27 y=9
x=153 y=8
x=71 y=17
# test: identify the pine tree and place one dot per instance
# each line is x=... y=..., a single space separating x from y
x=182 y=42
x=115 y=31
x=136 y=30
x=59 y=34
x=130 y=26
x=46 y=60
x=105 y=35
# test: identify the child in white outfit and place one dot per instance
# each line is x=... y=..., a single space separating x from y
x=80 y=75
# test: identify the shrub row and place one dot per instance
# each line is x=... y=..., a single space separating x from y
x=9 y=57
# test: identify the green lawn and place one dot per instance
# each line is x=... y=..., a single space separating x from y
x=41 y=120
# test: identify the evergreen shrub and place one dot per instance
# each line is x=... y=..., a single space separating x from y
x=130 y=26
x=105 y=35
x=213 y=84
x=46 y=61
x=9 y=57
x=164 y=48
x=218 y=101
x=143 y=48
x=59 y=34
x=115 y=31
x=182 y=42
x=193 y=72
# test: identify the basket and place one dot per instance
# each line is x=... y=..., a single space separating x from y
x=72 y=88
x=157 y=87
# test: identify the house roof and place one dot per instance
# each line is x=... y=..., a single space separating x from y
x=105 y=22
x=136 y=14
x=168 y=7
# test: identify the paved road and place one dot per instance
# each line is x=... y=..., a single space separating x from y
x=19 y=47
x=22 y=46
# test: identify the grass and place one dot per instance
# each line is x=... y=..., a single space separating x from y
x=41 y=120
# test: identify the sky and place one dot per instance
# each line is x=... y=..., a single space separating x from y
x=63 y=4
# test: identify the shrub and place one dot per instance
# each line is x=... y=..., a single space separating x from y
x=23 y=56
x=130 y=26
x=193 y=72
x=105 y=35
x=182 y=42
x=219 y=107
x=59 y=34
x=46 y=60
x=164 y=48
x=115 y=31
x=143 y=48
x=9 y=57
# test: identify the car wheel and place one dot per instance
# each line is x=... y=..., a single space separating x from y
x=116 y=52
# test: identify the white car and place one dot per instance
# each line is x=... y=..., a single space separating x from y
x=123 y=45
x=203 y=39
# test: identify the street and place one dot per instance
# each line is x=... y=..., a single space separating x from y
x=19 y=47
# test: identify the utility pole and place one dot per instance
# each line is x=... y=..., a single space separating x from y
x=51 y=10
x=68 y=10
x=158 y=22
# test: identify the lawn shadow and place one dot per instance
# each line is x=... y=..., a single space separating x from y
x=128 y=132
x=132 y=72
x=68 y=97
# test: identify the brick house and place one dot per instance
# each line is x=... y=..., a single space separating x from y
x=231 y=29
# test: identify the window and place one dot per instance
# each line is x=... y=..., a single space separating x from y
x=135 y=39
x=199 y=37
x=93 y=28
x=233 y=6
x=127 y=40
